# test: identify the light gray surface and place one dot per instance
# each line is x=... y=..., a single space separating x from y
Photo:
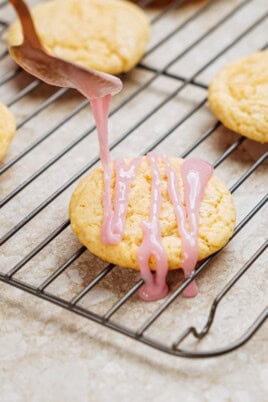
x=47 y=354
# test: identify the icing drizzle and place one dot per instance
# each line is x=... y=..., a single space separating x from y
x=114 y=218
x=155 y=286
x=195 y=175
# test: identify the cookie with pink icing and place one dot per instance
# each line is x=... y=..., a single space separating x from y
x=153 y=214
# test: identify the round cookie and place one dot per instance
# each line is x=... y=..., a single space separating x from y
x=105 y=35
x=238 y=96
x=7 y=129
x=216 y=216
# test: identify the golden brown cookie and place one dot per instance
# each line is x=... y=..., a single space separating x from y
x=216 y=216
x=7 y=129
x=238 y=96
x=105 y=35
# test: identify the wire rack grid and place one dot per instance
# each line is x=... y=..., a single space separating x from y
x=189 y=43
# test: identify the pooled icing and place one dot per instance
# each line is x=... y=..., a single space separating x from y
x=195 y=174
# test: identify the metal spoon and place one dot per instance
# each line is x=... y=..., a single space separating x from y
x=33 y=58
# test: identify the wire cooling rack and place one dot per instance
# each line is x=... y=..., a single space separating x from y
x=204 y=33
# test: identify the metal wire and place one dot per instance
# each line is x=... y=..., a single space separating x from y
x=180 y=83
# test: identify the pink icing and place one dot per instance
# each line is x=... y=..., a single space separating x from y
x=195 y=174
x=155 y=286
x=114 y=217
x=100 y=108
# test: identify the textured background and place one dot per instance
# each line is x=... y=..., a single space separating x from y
x=48 y=354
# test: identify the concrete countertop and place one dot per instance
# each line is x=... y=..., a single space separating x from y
x=48 y=354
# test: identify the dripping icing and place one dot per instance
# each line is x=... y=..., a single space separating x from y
x=195 y=174
x=100 y=108
x=155 y=286
x=114 y=216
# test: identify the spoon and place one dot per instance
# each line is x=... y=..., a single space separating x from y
x=33 y=58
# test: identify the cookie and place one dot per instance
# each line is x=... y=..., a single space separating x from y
x=105 y=35
x=216 y=216
x=7 y=129
x=238 y=96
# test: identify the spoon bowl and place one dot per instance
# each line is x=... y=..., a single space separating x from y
x=33 y=58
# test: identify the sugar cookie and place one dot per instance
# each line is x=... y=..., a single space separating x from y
x=105 y=35
x=216 y=216
x=238 y=96
x=7 y=129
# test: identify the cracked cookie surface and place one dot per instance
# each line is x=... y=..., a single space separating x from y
x=7 y=129
x=105 y=35
x=216 y=216
x=238 y=96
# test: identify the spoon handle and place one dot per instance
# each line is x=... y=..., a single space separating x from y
x=29 y=31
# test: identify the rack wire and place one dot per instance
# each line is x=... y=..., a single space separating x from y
x=13 y=275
